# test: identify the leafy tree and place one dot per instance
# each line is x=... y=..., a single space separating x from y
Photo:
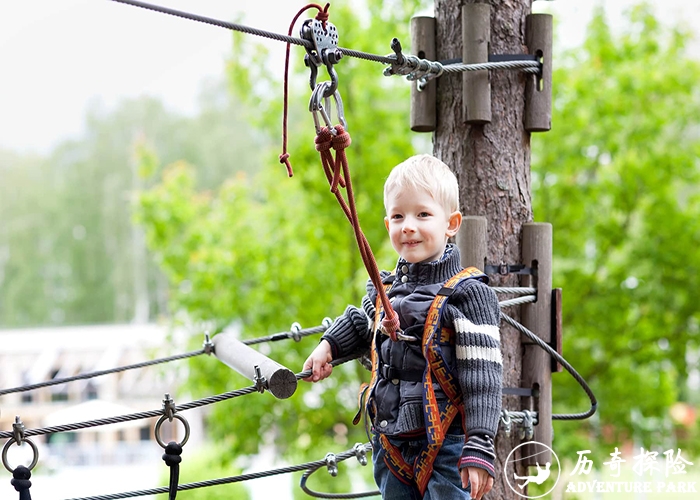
x=69 y=252
x=617 y=177
x=264 y=250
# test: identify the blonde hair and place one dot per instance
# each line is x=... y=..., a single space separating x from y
x=428 y=173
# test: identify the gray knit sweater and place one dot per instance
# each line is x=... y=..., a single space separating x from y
x=473 y=312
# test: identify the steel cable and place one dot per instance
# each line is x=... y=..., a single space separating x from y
x=295 y=334
x=226 y=480
x=541 y=343
x=514 y=290
x=518 y=300
x=98 y=373
x=526 y=66
x=155 y=413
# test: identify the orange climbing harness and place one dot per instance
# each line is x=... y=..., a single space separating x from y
x=437 y=369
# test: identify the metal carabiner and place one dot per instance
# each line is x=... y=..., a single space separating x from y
x=324 y=52
x=316 y=107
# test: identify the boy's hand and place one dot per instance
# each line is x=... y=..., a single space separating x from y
x=319 y=362
x=480 y=479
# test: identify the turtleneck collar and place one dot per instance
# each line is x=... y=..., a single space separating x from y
x=423 y=273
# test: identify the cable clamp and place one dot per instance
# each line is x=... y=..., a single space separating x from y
x=506 y=421
x=168 y=407
x=295 y=330
x=207 y=345
x=360 y=453
x=527 y=431
x=412 y=67
x=18 y=431
x=260 y=382
x=332 y=464
x=327 y=322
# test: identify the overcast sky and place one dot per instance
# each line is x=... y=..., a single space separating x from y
x=57 y=56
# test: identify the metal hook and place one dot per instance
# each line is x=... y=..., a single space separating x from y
x=316 y=107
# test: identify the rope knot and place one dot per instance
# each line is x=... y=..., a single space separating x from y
x=324 y=140
x=20 y=478
x=172 y=454
x=284 y=159
x=323 y=15
x=391 y=324
x=342 y=139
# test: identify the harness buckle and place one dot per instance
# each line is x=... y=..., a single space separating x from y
x=406 y=338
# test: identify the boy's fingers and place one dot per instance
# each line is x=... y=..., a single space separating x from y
x=489 y=485
x=475 y=487
x=308 y=365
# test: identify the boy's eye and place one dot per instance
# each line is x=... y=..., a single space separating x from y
x=424 y=214
x=397 y=216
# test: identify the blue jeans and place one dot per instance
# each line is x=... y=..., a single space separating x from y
x=444 y=484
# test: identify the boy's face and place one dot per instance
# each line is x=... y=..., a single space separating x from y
x=418 y=225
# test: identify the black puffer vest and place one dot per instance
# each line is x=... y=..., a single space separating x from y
x=399 y=390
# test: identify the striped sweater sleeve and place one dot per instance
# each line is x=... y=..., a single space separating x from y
x=352 y=331
x=475 y=318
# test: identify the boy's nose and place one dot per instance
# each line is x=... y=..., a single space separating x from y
x=408 y=226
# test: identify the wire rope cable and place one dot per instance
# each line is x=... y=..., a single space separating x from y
x=514 y=290
x=359 y=451
x=295 y=333
x=526 y=66
x=98 y=373
x=541 y=343
x=155 y=413
x=525 y=299
x=226 y=480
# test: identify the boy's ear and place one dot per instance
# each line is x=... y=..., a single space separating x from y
x=386 y=223
x=455 y=221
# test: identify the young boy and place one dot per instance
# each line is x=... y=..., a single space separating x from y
x=409 y=404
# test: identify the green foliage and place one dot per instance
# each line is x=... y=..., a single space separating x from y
x=264 y=250
x=617 y=177
x=69 y=252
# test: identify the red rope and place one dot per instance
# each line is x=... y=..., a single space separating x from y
x=323 y=17
x=338 y=174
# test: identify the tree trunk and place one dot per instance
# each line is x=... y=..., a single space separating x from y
x=492 y=163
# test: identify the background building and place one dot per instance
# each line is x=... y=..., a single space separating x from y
x=30 y=356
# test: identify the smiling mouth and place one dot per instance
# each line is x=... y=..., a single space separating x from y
x=411 y=243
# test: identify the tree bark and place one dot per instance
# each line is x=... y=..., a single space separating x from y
x=492 y=163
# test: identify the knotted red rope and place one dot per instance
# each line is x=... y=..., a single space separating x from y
x=338 y=175
x=323 y=17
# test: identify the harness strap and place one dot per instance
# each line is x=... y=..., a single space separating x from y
x=437 y=422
